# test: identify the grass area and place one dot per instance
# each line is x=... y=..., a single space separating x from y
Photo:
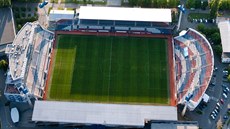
x=198 y=16
x=110 y=69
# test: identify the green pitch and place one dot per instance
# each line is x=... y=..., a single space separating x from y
x=110 y=69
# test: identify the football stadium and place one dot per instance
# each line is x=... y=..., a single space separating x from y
x=120 y=69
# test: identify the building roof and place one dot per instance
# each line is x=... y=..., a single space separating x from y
x=125 y=14
x=56 y=15
x=28 y=52
x=159 y=124
x=224 y=27
x=106 y=114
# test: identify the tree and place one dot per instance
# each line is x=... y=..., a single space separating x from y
x=229 y=78
x=190 y=4
x=204 y=5
x=214 y=8
x=218 y=49
x=3 y=65
x=146 y=3
x=4 y=3
x=216 y=38
x=201 y=28
x=197 y=4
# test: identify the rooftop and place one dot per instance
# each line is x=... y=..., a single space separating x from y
x=225 y=35
x=28 y=52
x=56 y=15
x=125 y=14
x=106 y=114
x=159 y=124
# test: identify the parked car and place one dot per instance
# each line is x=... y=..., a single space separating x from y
x=217 y=108
x=221 y=101
x=225 y=116
x=218 y=104
x=224 y=85
x=214 y=113
x=212 y=117
x=225 y=95
x=225 y=91
x=226 y=88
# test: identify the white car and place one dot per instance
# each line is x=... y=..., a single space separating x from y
x=212 y=116
x=218 y=104
x=226 y=88
x=225 y=95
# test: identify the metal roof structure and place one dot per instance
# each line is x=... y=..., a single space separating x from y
x=56 y=15
x=224 y=27
x=125 y=14
x=95 y=113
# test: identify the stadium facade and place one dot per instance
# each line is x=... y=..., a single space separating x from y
x=29 y=57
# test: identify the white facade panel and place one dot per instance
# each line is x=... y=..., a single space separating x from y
x=125 y=14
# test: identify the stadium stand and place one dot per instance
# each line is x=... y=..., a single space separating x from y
x=194 y=72
x=29 y=57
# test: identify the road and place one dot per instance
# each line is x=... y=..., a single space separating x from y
x=7 y=30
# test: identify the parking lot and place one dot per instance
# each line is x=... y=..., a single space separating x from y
x=208 y=115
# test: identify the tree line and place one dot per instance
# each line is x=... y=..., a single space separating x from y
x=225 y=5
x=197 y=4
x=5 y=3
x=155 y=3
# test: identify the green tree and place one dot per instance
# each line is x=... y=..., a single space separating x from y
x=146 y=3
x=201 y=28
x=214 y=8
x=216 y=38
x=3 y=65
x=204 y=5
x=218 y=49
x=4 y=3
x=190 y=4
x=229 y=78
x=197 y=4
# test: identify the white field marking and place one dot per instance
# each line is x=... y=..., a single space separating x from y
x=111 y=48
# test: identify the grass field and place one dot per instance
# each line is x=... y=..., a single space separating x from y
x=110 y=69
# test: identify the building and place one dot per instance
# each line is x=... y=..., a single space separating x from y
x=122 y=19
x=29 y=57
x=101 y=114
x=194 y=63
x=224 y=27
x=110 y=20
x=56 y=15
x=164 y=124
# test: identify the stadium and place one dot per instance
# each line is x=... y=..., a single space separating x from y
x=122 y=69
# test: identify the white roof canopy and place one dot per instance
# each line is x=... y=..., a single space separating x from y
x=125 y=14
x=106 y=114
x=225 y=35
x=14 y=115
x=56 y=15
